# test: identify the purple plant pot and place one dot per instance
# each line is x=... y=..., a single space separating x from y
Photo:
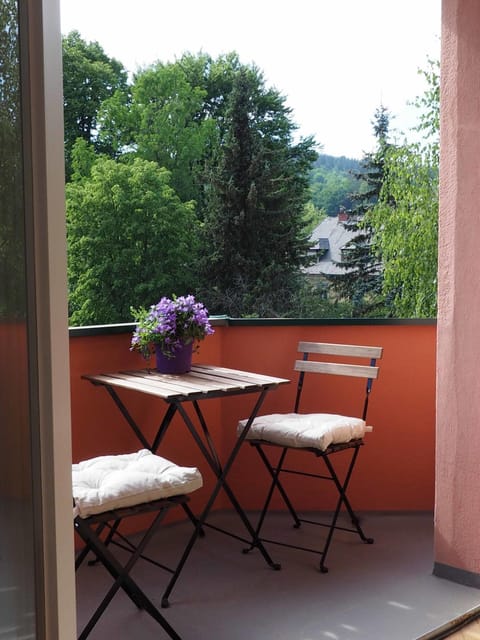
x=180 y=363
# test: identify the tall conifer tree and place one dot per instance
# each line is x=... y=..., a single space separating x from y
x=361 y=281
x=254 y=241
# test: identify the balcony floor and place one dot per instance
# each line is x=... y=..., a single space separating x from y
x=383 y=591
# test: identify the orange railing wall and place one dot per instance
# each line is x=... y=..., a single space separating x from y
x=395 y=470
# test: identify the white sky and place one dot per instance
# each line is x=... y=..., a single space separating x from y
x=335 y=61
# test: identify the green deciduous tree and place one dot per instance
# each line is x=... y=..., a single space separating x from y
x=89 y=78
x=254 y=242
x=405 y=220
x=131 y=240
x=405 y=223
x=170 y=128
x=173 y=115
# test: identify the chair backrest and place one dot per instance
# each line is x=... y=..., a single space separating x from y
x=349 y=366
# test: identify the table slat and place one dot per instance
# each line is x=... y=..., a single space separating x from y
x=201 y=381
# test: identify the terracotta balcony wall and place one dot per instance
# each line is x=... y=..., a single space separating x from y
x=395 y=471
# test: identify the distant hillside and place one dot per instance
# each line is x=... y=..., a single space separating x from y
x=332 y=182
x=337 y=163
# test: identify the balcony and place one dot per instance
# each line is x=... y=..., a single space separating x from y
x=377 y=592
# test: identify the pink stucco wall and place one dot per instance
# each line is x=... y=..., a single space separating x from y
x=457 y=510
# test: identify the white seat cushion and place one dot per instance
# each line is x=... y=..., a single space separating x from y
x=317 y=430
x=116 y=481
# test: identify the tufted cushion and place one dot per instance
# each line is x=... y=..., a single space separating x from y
x=112 y=482
x=317 y=430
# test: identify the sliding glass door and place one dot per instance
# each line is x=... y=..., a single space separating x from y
x=37 y=598
x=17 y=541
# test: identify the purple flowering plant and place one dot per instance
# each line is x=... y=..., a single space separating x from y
x=170 y=323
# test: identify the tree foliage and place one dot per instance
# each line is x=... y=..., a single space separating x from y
x=131 y=239
x=188 y=179
x=361 y=282
x=230 y=179
x=173 y=115
x=89 y=78
x=405 y=219
x=168 y=126
x=253 y=241
x=332 y=181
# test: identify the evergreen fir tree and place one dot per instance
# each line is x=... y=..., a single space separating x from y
x=256 y=187
x=361 y=282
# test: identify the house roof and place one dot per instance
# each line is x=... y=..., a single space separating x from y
x=330 y=236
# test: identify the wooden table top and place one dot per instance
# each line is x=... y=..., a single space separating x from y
x=203 y=381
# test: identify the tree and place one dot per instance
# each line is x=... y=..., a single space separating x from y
x=170 y=128
x=254 y=242
x=131 y=240
x=173 y=115
x=331 y=189
x=89 y=77
x=215 y=77
x=405 y=220
x=361 y=282
x=226 y=144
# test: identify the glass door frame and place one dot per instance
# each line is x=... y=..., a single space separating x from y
x=43 y=148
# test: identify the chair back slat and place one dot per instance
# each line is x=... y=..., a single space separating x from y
x=368 y=371
x=337 y=369
x=353 y=350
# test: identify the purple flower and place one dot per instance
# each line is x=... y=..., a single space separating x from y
x=170 y=323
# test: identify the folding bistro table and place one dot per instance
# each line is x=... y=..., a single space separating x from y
x=203 y=382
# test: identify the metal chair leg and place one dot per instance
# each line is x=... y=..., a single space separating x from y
x=121 y=575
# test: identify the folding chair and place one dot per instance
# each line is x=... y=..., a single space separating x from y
x=108 y=489
x=324 y=435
